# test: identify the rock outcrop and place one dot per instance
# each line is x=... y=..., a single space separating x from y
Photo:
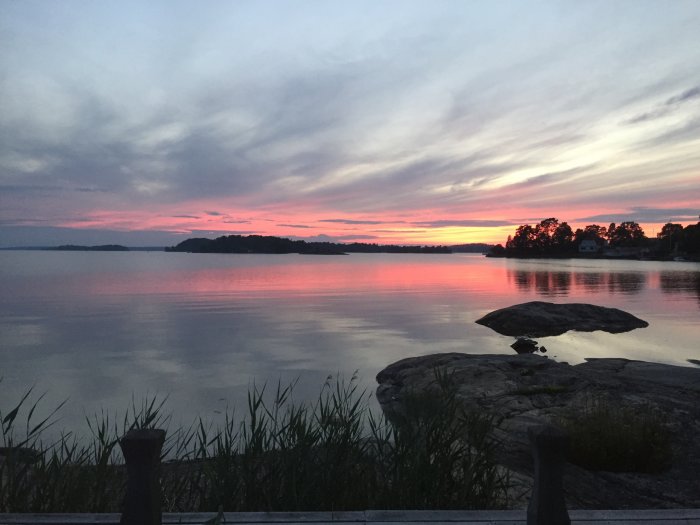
x=542 y=319
x=526 y=390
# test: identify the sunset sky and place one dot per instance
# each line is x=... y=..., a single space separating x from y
x=428 y=122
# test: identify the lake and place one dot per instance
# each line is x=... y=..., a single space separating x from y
x=99 y=328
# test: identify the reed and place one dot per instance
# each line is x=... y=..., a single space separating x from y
x=608 y=436
x=335 y=453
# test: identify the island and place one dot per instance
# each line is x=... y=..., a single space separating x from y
x=280 y=245
x=100 y=248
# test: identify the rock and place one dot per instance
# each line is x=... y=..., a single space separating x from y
x=527 y=390
x=523 y=345
x=542 y=319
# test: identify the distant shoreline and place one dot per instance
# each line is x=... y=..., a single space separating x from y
x=280 y=245
x=257 y=244
x=99 y=248
x=80 y=248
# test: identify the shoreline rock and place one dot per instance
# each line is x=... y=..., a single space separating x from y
x=527 y=390
x=542 y=319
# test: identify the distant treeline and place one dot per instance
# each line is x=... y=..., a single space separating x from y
x=101 y=248
x=475 y=247
x=280 y=245
x=551 y=238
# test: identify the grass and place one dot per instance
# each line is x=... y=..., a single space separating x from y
x=610 y=437
x=331 y=454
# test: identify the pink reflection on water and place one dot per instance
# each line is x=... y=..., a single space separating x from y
x=296 y=276
x=349 y=275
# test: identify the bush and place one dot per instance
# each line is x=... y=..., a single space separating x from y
x=65 y=475
x=334 y=454
x=608 y=436
x=441 y=456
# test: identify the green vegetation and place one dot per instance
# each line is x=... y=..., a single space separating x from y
x=607 y=436
x=551 y=238
x=674 y=239
x=333 y=454
x=278 y=245
x=65 y=474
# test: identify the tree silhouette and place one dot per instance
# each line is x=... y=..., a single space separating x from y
x=546 y=238
x=627 y=234
x=670 y=237
x=551 y=238
x=562 y=238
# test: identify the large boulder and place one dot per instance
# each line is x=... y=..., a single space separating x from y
x=527 y=390
x=542 y=319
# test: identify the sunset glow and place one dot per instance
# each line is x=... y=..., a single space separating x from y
x=391 y=122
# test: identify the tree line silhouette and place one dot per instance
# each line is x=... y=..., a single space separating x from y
x=281 y=245
x=551 y=238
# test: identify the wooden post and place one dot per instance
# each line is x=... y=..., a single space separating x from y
x=141 y=450
x=547 y=505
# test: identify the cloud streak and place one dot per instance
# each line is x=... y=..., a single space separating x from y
x=350 y=221
x=648 y=215
x=342 y=121
x=463 y=223
x=665 y=108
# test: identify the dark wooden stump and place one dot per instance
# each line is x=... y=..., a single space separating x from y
x=142 y=502
x=547 y=505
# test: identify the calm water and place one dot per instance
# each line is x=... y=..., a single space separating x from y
x=99 y=328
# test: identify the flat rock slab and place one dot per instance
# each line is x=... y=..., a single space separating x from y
x=542 y=319
x=529 y=390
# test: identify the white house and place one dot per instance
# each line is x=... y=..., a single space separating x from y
x=588 y=246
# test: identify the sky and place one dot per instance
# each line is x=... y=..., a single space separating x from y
x=427 y=122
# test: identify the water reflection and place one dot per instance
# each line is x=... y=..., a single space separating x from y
x=681 y=283
x=97 y=328
x=543 y=282
x=590 y=281
x=564 y=283
x=627 y=283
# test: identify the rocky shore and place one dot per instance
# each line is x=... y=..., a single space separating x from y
x=526 y=390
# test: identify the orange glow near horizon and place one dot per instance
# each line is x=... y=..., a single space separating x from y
x=420 y=227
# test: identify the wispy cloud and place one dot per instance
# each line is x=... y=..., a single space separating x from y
x=350 y=221
x=686 y=95
x=400 y=231
x=474 y=223
x=689 y=131
x=666 y=107
x=219 y=233
x=646 y=215
x=368 y=120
